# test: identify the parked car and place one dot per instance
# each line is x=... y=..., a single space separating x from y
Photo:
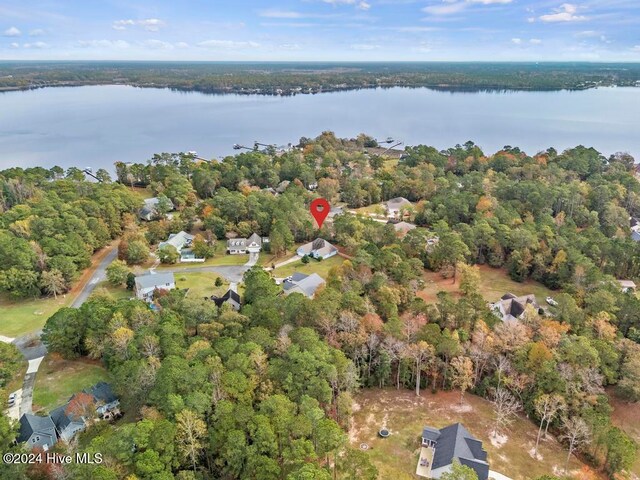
x=552 y=302
x=12 y=399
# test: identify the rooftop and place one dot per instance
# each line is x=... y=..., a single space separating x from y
x=154 y=280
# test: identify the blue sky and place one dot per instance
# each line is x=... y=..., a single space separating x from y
x=417 y=30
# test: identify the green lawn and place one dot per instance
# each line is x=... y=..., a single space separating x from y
x=20 y=316
x=116 y=293
x=268 y=259
x=494 y=283
x=405 y=415
x=201 y=284
x=219 y=259
x=58 y=379
x=321 y=268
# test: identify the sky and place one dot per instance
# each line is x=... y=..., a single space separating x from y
x=321 y=30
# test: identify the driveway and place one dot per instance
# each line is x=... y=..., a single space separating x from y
x=232 y=273
x=253 y=259
x=286 y=262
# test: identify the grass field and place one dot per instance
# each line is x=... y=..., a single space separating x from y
x=220 y=258
x=321 y=268
x=21 y=316
x=116 y=293
x=405 y=415
x=494 y=283
x=201 y=284
x=58 y=379
x=627 y=417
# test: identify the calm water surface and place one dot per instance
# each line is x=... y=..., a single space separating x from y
x=96 y=126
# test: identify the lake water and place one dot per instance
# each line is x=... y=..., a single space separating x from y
x=96 y=126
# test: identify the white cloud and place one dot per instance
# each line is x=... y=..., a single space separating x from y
x=36 y=45
x=516 y=41
x=636 y=48
x=157 y=44
x=364 y=47
x=531 y=19
x=535 y=41
x=37 y=32
x=281 y=14
x=290 y=46
x=360 y=4
x=103 y=44
x=182 y=45
x=423 y=47
x=122 y=24
x=12 y=32
x=448 y=7
x=228 y=44
x=149 y=24
x=489 y=2
x=565 y=13
x=14 y=45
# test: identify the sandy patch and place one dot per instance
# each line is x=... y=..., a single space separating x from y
x=534 y=454
x=498 y=440
x=464 y=408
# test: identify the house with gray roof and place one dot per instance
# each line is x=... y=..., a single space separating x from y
x=317 y=249
x=182 y=242
x=150 y=209
x=511 y=308
x=395 y=205
x=304 y=284
x=104 y=398
x=242 y=246
x=37 y=431
x=147 y=284
x=441 y=447
x=68 y=422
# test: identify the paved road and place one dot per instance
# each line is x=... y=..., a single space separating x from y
x=231 y=273
x=98 y=276
x=34 y=350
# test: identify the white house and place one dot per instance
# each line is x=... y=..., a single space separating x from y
x=319 y=248
x=147 y=284
x=253 y=244
x=182 y=242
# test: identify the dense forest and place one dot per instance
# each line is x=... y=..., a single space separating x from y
x=267 y=392
x=292 y=78
x=50 y=225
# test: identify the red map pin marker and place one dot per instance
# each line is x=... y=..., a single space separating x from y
x=319 y=209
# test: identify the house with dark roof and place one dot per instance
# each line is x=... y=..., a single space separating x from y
x=440 y=448
x=231 y=297
x=147 y=284
x=37 y=431
x=317 y=249
x=242 y=246
x=510 y=307
x=304 y=284
x=71 y=417
x=105 y=400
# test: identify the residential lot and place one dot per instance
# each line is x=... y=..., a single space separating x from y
x=404 y=415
